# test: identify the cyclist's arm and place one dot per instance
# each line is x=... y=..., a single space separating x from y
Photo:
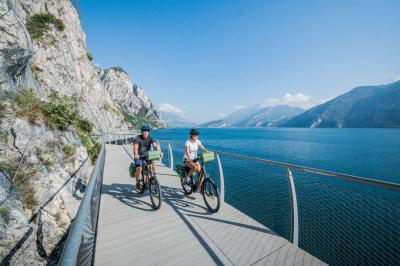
x=136 y=150
x=157 y=147
x=203 y=148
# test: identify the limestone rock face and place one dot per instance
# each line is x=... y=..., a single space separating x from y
x=55 y=164
x=45 y=172
x=128 y=96
x=16 y=50
x=59 y=61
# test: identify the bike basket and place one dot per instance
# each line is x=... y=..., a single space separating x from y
x=153 y=155
x=132 y=170
x=206 y=157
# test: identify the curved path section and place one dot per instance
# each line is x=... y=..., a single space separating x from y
x=182 y=232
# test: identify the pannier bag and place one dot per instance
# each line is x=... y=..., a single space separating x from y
x=180 y=169
x=153 y=155
x=132 y=169
x=206 y=157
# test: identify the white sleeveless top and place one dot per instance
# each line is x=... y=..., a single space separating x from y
x=193 y=148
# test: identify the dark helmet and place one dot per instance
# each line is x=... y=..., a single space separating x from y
x=194 y=131
x=145 y=128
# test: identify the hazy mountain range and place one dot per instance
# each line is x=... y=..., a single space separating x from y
x=176 y=120
x=366 y=106
x=256 y=116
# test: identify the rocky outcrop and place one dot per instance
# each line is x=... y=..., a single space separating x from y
x=59 y=61
x=53 y=164
x=47 y=188
x=129 y=97
x=16 y=50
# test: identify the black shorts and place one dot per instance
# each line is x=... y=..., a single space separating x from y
x=195 y=160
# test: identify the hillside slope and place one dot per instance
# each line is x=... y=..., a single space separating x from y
x=367 y=106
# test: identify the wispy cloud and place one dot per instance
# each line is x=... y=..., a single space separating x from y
x=238 y=107
x=169 y=108
x=296 y=99
x=221 y=115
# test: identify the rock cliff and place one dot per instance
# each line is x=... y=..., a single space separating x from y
x=45 y=157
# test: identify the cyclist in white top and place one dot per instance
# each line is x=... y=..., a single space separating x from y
x=191 y=147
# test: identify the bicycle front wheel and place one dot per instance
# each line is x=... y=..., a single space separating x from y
x=210 y=195
x=155 y=193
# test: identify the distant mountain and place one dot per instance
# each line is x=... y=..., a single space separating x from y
x=236 y=118
x=214 y=123
x=269 y=116
x=256 y=116
x=176 y=120
x=367 y=106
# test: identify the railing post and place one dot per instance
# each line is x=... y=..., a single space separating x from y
x=221 y=179
x=171 y=157
x=158 y=143
x=295 y=217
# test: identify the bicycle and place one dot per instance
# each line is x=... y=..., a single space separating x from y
x=149 y=180
x=207 y=186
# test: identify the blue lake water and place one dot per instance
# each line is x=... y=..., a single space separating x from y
x=339 y=221
x=372 y=153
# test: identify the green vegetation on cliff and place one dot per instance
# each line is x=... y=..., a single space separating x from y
x=58 y=112
x=39 y=23
x=139 y=119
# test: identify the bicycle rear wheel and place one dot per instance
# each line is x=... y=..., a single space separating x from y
x=187 y=184
x=155 y=193
x=210 y=195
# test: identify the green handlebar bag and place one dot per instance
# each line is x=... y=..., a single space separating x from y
x=207 y=157
x=153 y=155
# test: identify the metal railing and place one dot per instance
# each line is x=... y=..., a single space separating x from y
x=79 y=248
x=371 y=208
x=342 y=219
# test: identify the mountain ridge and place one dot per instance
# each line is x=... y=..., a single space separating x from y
x=255 y=116
x=361 y=107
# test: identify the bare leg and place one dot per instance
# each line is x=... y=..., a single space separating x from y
x=198 y=170
x=192 y=167
x=153 y=167
x=137 y=174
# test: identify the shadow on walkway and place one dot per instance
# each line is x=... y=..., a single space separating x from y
x=126 y=194
x=247 y=226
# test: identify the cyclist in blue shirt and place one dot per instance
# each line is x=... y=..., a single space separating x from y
x=142 y=144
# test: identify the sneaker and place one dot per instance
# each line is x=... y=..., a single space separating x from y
x=137 y=187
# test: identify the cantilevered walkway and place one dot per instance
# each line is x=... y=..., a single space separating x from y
x=182 y=232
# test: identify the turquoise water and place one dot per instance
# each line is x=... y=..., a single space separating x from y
x=339 y=221
x=372 y=153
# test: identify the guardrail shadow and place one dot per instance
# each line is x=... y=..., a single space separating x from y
x=126 y=194
x=175 y=198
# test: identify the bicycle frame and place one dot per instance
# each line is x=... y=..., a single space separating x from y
x=148 y=166
x=201 y=176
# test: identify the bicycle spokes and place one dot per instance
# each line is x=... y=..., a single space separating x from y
x=210 y=195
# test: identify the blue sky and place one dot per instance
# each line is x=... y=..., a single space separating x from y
x=208 y=57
